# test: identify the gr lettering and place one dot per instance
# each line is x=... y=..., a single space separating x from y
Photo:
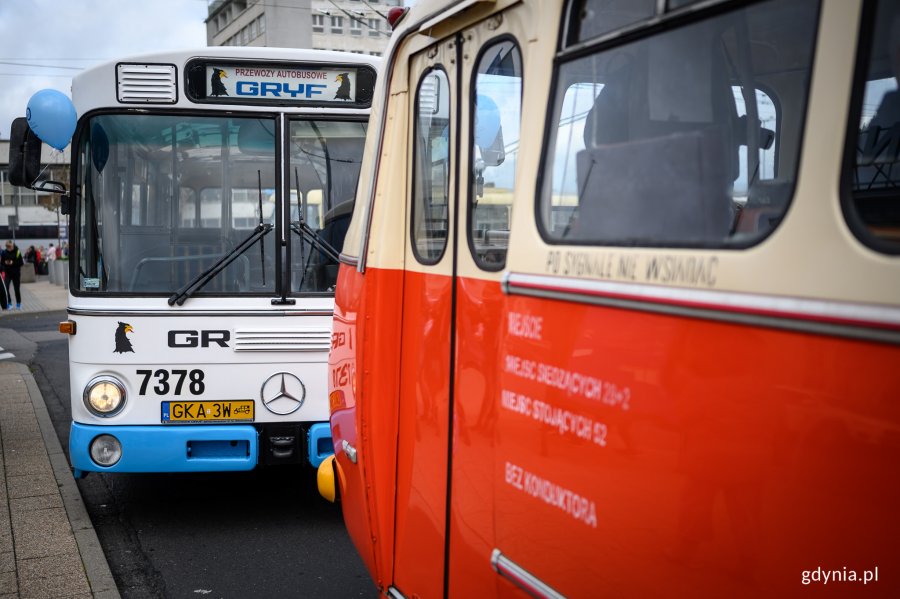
x=198 y=338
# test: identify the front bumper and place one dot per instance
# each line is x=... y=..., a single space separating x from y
x=202 y=448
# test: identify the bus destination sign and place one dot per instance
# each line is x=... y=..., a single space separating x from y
x=281 y=84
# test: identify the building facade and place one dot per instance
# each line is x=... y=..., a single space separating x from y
x=35 y=212
x=358 y=26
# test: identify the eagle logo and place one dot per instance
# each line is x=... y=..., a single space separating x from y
x=343 y=91
x=215 y=82
x=123 y=344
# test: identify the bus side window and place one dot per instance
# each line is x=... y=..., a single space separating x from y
x=431 y=175
x=687 y=136
x=497 y=109
x=874 y=181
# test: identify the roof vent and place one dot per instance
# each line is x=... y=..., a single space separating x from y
x=146 y=83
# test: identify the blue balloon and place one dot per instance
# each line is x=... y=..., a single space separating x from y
x=51 y=115
x=487 y=121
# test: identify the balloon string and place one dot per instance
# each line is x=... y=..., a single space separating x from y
x=53 y=154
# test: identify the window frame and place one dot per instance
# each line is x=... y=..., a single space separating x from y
x=281 y=273
x=470 y=209
x=415 y=156
x=570 y=51
x=855 y=223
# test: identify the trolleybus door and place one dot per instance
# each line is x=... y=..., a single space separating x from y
x=425 y=371
x=491 y=97
x=465 y=109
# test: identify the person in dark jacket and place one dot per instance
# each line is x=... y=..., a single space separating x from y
x=11 y=261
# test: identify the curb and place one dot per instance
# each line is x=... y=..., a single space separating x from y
x=95 y=565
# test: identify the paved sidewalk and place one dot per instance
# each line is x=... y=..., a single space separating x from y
x=40 y=296
x=48 y=547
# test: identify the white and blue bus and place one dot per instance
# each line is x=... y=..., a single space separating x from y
x=209 y=196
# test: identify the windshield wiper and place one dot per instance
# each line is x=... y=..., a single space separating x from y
x=305 y=231
x=180 y=296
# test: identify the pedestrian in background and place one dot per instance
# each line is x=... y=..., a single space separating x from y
x=42 y=260
x=11 y=260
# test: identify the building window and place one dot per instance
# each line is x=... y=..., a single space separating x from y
x=254 y=29
x=337 y=24
x=355 y=27
x=318 y=24
x=374 y=27
x=245 y=36
x=262 y=24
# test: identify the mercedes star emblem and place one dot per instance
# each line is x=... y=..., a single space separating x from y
x=283 y=393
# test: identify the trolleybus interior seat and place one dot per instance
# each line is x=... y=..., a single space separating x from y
x=660 y=177
x=662 y=152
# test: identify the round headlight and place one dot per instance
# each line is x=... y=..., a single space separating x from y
x=106 y=450
x=104 y=396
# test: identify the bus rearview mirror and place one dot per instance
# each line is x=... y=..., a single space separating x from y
x=24 y=154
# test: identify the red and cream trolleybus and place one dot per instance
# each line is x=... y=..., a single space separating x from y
x=618 y=311
x=209 y=191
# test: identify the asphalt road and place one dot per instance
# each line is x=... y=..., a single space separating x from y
x=265 y=533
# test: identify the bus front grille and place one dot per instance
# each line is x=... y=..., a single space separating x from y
x=301 y=339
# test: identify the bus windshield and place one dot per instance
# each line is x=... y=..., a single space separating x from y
x=162 y=198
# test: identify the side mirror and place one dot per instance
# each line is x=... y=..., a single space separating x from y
x=24 y=154
x=25 y=159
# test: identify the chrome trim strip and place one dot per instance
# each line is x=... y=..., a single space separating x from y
x=521 y=577
x=230 y=313
x=394 y=593
x=348 y=260
x=859 y=321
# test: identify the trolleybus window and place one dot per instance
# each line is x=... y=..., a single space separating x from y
x=431 y=178
x=669 y=140
x=875 y=178
x=495 y=147
x=134 y=237
x=594 y=18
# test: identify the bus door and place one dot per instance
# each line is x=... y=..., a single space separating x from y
x=465 y=113
x=426 y=334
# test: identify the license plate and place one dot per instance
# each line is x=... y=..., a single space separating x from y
x=207 y=411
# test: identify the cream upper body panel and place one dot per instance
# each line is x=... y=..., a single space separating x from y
x=811 y=253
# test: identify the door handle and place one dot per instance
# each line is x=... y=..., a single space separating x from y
x=348 y=450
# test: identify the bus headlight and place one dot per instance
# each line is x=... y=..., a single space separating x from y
x=106 y=450
x=104 y=396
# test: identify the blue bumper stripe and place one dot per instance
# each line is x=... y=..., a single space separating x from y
x=169 y=448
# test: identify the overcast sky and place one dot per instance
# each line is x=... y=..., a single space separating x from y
x=72 y=34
